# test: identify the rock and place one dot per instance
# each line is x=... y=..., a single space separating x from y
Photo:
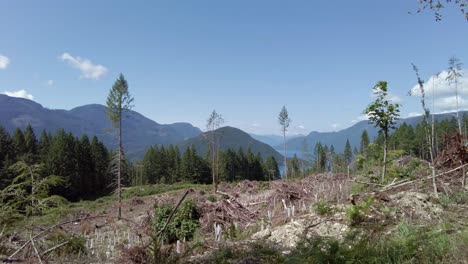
x=290 y=234
x=331 y=229
x=418 y=204
x=262 y=234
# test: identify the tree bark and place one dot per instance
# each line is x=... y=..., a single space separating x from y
x=119 y=171
x=384 y=169
x=285 y=161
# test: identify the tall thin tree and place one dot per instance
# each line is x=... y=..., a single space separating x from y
x=212 y=124
x=454 y=72
x=119 y=101
x=428 y=134
x=383 y=114
x=284 y=122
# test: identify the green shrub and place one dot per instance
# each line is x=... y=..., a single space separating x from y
x=76 y=245
x=357 y=213
x=322 y=208
x=408 y=244
x=211 y=198
x=256 y=252
x=183 y=224
x=456 y=198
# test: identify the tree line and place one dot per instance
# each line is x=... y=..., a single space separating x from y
x=83 y=163
x=168 y=165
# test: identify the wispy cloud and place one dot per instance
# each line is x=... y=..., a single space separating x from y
x=256 y=125
x=20 y=94
x=50 y=82
x=88 y=69
x=301 y=127
x=4 y=62
x=413 y=114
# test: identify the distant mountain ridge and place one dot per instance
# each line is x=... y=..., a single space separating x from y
x=272 y=140
x=139 y=132
x=353 y=133
x=233 y=138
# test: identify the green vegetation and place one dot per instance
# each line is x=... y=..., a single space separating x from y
x=357 y=212
x=75 y=245
x=147 y=190
x=166 y=165
x=383 y=114
x=408 y=244
x=82 y=164
x=183 y=225
x=322 y=208
x=259 y=252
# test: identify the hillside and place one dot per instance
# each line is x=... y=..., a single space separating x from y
x=353 y=133
x=139 y=132
x=233 y=138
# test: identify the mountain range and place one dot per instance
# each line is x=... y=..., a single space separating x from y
x=353 y=133
x=274 y=140
x=234 y=138
x=139 y=132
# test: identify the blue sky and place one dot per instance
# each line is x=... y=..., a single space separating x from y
x=244 y=58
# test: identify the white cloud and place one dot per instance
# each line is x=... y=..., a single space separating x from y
x=360 y=118
x=20 y=94
x=50 y=82
x=440 y=87
x=301 y=127
x=449 y=103
x=442 y=92
x=4 y=61
x=256 y=125
x=394 y=98
x=335 y=126
x=87 y=68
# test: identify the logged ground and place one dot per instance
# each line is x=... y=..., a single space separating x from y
x=278 y=212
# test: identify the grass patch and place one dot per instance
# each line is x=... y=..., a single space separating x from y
x=147 y=190
x=255 y=252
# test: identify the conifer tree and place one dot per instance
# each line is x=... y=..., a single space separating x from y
x=284 y=122
x=19 y=143
x=348 y=153
x=30 y=141
x=119 y=101
x=364 y=143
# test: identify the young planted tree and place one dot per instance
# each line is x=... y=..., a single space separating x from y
x=284 y=122
x=383 y=114
x=212 y=124
x=118 y=102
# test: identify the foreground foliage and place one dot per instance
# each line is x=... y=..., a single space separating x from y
x=406 y=244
